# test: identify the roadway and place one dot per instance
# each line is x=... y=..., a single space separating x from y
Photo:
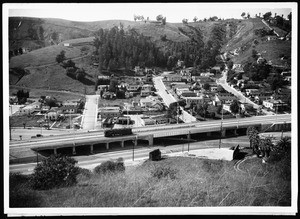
x=169 y=98
x=140 y=153
x=157 y=131
x=89 y=116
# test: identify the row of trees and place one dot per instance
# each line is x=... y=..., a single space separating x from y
x=71 y=69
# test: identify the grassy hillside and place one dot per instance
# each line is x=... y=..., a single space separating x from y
x=244 y=38
x=172 y=182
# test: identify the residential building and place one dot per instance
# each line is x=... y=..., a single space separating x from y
x=191 y=100
x=252 y=92
x=272 y=38
x=133 y=87
x=45 y=109
x=179 y=91
x=146 y=102
x=172 y=77
x=106 y=112
x=70 y=103
x=69 y=109
x=53 y=114
x=276 y=105
x=223 y=98
x=186 y=74
x=27 y=110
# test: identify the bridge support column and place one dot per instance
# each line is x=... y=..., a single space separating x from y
x=107 y=145
x=55 y=151
x=135 y=142
x=122 y=144
x=188 y=136
x=92 y=148
x=73 y=150
x=223 y=133
x=235 y=132
x=150 y=140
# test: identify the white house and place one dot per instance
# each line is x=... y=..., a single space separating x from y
x=272 y=104
x=53 y=113
x=27 y=110
x=195 y=100
x=106 y=112
x=272 y=38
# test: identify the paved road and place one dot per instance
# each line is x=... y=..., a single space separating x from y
x=140 y=154
x=89 y=116
x=168 y=98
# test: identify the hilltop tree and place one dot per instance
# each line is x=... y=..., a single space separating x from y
x=253 y=136
x=243 y=14
x=290 y=16
x=195 y=19
x=267 y=15
x=80 y=74
x=185 y=21
x=159 y=17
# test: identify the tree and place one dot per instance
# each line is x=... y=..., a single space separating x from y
x=284 y=143
x=195 y=19
x=164 y=21
x=55 y=171
x=220 y=89
x=61 y=57
x=265 y=146
x=290 y=16
x=113 y=85
x=185 y=20
x=253 y=136
x=206 y=86
x=248 y=15
x=234 y=107
x=243 y=14
x=50 y=101
x=159 y=17
x=267 y=15
x=80 y=74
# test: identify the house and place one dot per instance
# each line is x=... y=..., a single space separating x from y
x=27 y=110
x=216 y=69
x=108 y=95
x=53 y=114
x=106 y=112
x=252 y=92
x=13 y=99
x=189 y=94
x=148 y=121
x=180 y=91
x=146 y=102
x=45 y=109
x=172 y=77
x=223 y=98
x=186 y=74
x=70 y=103
x=269 y=38
x=133 y=87
x=158 y=106
x=193 y=100
x=66 y=44
x=146 y=93
x=138 y=70
x=37 y=105
x=103 y=87
x=147 y=87
x=226 y=107
x=69 y=109
x=207 y=74
x=277 y=105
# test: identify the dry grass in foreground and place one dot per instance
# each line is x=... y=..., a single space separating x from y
x=176 y=182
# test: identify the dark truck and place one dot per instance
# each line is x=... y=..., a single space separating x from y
x=117 y=132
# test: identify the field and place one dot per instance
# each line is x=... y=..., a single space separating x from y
x=175 y=182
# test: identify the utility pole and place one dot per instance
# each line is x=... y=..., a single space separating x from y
x=221 y=130
x=189 y=141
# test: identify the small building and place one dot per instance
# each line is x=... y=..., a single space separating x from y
x=133 y=87
x=146 y=102
x=27 y=110
x=45 y=109
x=272 y=38
x=172 y=77
x=66 y=44
x=106 y=112
x=53 y=114
x=69 y=109
x=193 y=100
x=252 y=92
x=148 y=121
x=70 y=103
x=276 y=105
x=146 y=93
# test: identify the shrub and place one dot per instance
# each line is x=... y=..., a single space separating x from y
x=164 y=172
x=61 y=57
x=55 y=171
x=110 y=166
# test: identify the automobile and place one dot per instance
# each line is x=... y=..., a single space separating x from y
x=39 y=135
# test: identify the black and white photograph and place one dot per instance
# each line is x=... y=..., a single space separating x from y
x=180 y=108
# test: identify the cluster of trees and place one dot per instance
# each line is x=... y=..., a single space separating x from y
x=138 y=17
x=15 y=52
x=71 y=69
x=119 y=49
x=245 y=16
x=161 y=19
x=22 y=96
x=263 y=32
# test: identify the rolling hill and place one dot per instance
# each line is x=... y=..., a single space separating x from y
x=44 y=39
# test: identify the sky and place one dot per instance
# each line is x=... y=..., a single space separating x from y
x=174 y=12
